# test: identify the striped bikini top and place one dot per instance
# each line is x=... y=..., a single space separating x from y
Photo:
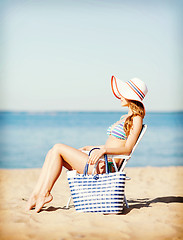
x=117 y=131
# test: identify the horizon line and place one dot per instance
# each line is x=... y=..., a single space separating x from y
x=83 y=111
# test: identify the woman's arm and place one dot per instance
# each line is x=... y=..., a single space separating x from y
x=124 y=150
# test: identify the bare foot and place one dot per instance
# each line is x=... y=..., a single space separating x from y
x=42 y=200
x=31 y=203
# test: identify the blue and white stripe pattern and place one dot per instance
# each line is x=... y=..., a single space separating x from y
x=100 y=193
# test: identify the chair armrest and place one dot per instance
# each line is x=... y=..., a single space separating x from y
x=120 y=156
x=114 y=156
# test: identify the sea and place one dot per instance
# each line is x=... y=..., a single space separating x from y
x=26 y=137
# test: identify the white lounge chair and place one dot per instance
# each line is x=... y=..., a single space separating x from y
x=124 y=161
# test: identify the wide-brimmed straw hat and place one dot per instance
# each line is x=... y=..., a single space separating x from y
x=134 y=89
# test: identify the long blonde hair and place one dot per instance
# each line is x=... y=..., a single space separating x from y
x=137 y=110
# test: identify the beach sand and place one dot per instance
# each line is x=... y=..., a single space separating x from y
x=155 y=197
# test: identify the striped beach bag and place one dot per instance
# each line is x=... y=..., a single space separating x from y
x=97 y=192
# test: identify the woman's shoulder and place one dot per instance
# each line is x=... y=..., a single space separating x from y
x=137 y=120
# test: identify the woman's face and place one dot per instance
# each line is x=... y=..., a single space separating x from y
x=124 y=102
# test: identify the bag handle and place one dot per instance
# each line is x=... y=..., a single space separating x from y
x=87 y=165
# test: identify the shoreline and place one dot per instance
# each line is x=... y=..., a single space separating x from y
x=154 y=194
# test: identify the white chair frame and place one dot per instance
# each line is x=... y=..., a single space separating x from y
x=125 y=159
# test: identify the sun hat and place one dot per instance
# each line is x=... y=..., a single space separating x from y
x=134 y=89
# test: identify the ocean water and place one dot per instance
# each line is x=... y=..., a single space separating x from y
x=25 y=138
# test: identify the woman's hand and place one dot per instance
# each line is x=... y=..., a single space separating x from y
x=95 y=155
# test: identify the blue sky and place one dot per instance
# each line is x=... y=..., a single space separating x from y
x=60 y=55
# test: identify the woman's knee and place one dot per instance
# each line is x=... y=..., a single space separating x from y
x=49 y=153
x=57 y=148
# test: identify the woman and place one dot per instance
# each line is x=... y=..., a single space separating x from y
x=122 y=137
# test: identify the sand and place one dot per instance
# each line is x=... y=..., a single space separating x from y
x=155 y=197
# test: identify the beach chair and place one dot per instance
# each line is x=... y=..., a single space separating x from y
x=124 y=161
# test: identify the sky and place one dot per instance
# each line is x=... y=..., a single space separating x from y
x=60 y=55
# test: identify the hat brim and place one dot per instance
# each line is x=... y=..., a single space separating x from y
x=122 y=89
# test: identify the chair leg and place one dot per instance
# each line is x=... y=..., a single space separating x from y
x=69 y=201
x=126 y=203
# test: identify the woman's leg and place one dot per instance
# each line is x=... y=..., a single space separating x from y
x=60 y=155
x=32 y=200
x=44 y=170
